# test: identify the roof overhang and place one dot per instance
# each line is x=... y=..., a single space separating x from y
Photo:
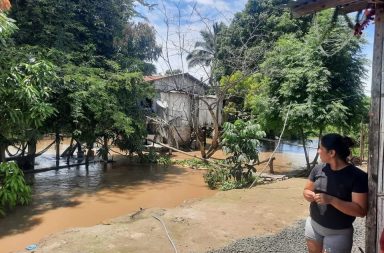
x=304 y=7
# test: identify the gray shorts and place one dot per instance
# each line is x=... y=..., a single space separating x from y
x=333 y=240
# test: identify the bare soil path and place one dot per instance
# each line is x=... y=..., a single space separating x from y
x=195 y=226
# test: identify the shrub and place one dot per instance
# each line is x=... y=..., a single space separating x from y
x=215 y=178
x=13 y=188
x=164 y=160
x=240 y=142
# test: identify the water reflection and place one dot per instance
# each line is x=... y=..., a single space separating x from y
x=51 y=186
x=289 y=155
x=80 y=196
x=289 y=146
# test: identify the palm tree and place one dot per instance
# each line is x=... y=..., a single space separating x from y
x=205 y=51
x=204 y=55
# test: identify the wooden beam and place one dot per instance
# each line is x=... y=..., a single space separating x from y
x=358 y=6
x=304 y=7
x=376 y=136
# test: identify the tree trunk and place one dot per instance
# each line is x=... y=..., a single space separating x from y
x=2 y=151
x=69 y=149
x=80 y=152
x=200 y=141
x=196 y=127
x=314 y=162
x=90 y=152
x=216 y=133
x=303 y=139
x=30 y=159
x=105 y=148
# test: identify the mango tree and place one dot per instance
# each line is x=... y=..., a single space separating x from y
x=319 y=89
x=24 y=96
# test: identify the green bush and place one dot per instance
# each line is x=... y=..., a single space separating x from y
x=222 y=179
x=150 y=157
x=240 y=143
x=13 y=188
x=153 y=157
x=164 y=160
x=215 y=178
x=196 y=163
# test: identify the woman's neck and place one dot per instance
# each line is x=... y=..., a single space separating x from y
x=338 y=164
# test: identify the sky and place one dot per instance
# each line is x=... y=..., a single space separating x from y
x=186 y=18
x=368 y=52
x=178 y=22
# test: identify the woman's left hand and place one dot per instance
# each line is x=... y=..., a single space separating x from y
x=322 y=198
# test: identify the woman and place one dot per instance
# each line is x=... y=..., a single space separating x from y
x=337 y=192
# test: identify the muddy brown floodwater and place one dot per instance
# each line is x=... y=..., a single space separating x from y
x=77 y=197
x=80 y=197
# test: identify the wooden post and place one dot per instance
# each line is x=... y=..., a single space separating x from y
x=376 y=140
x=57 y=139
x=271 y=166
x=362 y=141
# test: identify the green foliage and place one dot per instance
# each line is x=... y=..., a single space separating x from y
x=71 y=25
x=252 y=33
x=153 y=157
x=234 y=184
x=67 y=71
x=86 y=28
x=108 y=105
x=164 y=160
x=150 y=157
x=297 y=74
x=7 y=28
x=90 y=102
x=205 y=51
x=13 y=189
x=138 y=41
x=240 y=142
x=215 y=178
x=24 y=96
x=222 y=179
x=195 y=163
x=238 y=94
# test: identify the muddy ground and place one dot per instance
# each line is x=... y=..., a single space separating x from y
x=195 y=226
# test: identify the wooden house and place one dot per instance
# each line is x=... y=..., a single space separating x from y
x=179 y=97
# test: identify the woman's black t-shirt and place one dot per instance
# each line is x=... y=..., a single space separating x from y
x=340 y=184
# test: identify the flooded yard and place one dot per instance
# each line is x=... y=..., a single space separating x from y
x=80 y=196
x=77 y=197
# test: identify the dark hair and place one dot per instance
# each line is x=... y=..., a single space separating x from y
x=338 y=143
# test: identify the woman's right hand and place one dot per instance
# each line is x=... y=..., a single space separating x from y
x=309 y=193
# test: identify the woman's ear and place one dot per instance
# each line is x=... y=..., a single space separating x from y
x=332 y=153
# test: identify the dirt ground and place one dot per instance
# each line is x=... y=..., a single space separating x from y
x=195 y=226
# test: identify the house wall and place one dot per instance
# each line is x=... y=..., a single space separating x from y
x=179 y=83
x=205 y=118
x=173 y=100
x=178 y=106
